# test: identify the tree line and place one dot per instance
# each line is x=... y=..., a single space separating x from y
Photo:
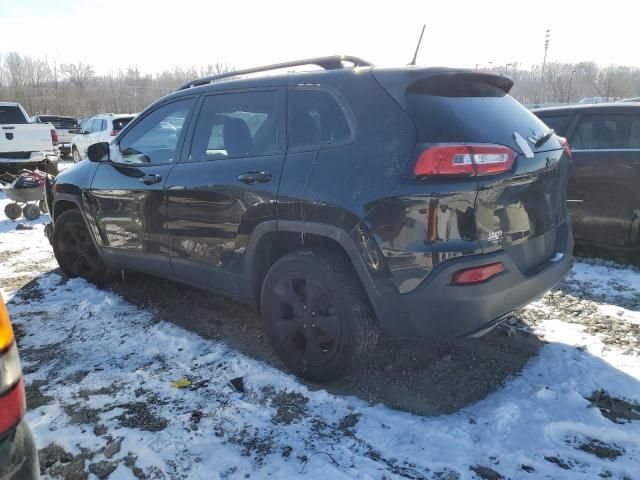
x=44 y=86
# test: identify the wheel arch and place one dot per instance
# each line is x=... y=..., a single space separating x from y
x=274 y=239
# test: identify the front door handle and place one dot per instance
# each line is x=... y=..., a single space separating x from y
x=255 y=177
x=151 y=179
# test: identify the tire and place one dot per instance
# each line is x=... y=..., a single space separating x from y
x=75 y=154
x=51 y=168
x=316 y=314
x=31 y=211
x=12 y=211
x=43 y=206
x=75 y=251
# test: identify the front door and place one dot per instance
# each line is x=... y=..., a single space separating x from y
x=226 y=184
x=126 y=197
x=603 y=195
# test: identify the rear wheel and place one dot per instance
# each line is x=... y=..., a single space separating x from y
x=76 y=155
x=316 y=314
x=74 y=249
x=12 y=211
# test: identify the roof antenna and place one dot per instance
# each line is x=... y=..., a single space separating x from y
x=415 y=55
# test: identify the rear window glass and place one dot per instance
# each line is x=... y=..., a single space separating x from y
x=468 y=111
x=602 y=132
x=557 y=122
x=11 y=115
x=62 y=123
x=120 y=123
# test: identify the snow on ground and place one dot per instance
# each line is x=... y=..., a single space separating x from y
x=99 y=374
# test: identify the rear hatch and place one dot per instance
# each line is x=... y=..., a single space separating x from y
x=518 y=208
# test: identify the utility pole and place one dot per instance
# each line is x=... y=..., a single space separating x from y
x=569 y=89
x=547 y=35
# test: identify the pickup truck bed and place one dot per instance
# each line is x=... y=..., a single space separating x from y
x=24 y=144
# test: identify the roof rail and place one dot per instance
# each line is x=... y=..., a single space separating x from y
x=333 y=62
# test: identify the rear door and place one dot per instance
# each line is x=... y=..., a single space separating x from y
x=604 y=189
x=83 y=140
x=522 y=210
x=226 y=184
x=127 y=193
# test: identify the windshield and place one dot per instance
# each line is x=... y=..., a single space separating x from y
x=11 y=115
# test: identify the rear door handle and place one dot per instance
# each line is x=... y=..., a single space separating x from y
x=151 y=179
x=255 y=177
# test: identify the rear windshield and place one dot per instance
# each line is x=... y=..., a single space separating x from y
x=460 y=110
x=557 y=122
x=11 y=115
x=60 y=122
x=120 y=123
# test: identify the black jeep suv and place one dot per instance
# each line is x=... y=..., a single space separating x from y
x=425 y=201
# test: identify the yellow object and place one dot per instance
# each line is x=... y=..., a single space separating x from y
x=6 y=332
x=182 y=383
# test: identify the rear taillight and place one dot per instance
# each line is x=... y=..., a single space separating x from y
x=468 y=160
x=477 y=274
x=114 y=132
x=565 y=146
x=12 y=398
x=54 y=137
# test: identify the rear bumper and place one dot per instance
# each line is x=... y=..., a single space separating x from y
x=64 y=148
x=438 y=309
x=18 y=455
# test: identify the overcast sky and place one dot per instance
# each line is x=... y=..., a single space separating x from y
x=156 y=35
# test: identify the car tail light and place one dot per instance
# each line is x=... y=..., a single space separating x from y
x=477 y=274
x=114 y=132
x=468 y=160
x=12 y=396
x=54 y=137
x=565 y=146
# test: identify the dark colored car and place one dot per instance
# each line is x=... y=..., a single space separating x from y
x=604 y=185
x=18 y=456
x=337 y=201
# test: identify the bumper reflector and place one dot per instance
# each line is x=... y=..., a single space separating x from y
x=477 y=274
x=12 y=407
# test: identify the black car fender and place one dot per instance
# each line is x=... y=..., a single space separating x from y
x=342 y=237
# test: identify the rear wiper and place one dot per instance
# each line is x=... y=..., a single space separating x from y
x=539 y=141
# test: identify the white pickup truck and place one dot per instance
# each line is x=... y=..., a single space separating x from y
x=24 y=144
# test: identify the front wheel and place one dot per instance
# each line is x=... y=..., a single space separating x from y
x=74 y=249
x=316 y=314
x=76 y=155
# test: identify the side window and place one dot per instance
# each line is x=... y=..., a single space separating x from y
x=236 y=125
x=88 y=126
x=556 y=122
x=315 y=118
x=98 y=125
x=154 y=139
x=607 y=132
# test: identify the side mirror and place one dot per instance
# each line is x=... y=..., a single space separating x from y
x=98 y=152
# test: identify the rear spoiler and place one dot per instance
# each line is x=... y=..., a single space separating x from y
x=397 y=81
